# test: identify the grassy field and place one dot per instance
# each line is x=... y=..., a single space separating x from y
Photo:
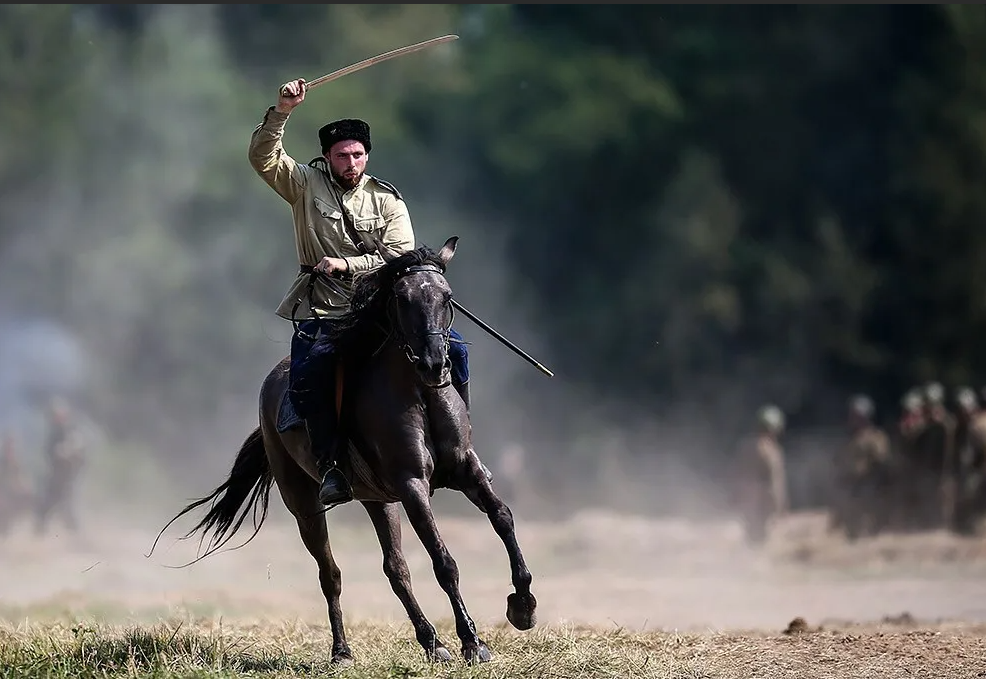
x=188 y=647
x=618 y=596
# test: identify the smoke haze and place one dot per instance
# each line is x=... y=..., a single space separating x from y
x=141 y=281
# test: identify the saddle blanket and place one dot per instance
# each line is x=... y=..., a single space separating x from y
x=287 y=418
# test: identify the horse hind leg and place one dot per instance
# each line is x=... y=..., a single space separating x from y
x=521 y=604
x=417 y=505
x=300 y=494
x=315 y=535
x=387 y=523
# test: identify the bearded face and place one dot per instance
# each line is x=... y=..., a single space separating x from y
x=347 y=162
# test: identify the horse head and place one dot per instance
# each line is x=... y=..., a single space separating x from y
x=420 y=309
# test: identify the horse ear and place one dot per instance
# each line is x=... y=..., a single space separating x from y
x=448 y=250
x=384 y=251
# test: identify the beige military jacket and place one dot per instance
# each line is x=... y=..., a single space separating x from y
x=761 y=476
x=867 y=451
x=977 y=442
x=317 y=204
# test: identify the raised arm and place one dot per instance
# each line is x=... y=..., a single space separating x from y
x=267 y=154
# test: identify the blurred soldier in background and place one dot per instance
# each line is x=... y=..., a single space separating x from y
x=966 y=467
x=912 y=413
x=865 y=475
x=935 y=445
x=15 y=489
x=909 y=428
x=761 y=484
x=65 y=458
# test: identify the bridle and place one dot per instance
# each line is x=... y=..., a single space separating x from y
x=397 y=330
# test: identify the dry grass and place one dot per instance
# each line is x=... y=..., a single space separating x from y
x=619 y=597
x=214 y=648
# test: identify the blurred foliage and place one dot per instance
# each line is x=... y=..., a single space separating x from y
x=785 y=198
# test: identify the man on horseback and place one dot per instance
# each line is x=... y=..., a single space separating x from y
x=339 y=212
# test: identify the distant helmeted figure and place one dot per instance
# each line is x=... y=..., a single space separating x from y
x=865 y=474
x=910 y=426
x=933 y=449
x=65 y=455
x=759 y=476
x=966 y=467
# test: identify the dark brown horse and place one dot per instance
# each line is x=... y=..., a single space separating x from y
x=410 y=434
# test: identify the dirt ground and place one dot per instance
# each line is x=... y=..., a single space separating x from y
x=596 y=568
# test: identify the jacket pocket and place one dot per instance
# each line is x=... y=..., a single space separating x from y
x=326 y=210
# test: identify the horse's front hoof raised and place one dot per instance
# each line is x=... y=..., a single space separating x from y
x=521 y=610
x=477 y=655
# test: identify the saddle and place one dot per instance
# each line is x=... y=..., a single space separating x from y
x=287 y=416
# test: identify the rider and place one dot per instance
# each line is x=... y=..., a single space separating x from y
x=339 y=211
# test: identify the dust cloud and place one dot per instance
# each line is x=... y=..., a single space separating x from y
x=596 y=567
x=167 y=306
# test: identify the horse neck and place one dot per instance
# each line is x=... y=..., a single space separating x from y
x=386 y=380
x=396 y=365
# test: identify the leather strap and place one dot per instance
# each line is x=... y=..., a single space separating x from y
x=348 y=222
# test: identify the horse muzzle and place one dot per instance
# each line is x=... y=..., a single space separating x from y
x=435 y=379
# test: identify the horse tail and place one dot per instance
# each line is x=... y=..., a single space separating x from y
x=246 y=490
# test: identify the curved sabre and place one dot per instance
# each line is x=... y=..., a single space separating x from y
x=359 y=66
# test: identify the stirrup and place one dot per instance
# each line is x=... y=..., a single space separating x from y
x=334 y=489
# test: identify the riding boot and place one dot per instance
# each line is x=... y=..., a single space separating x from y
x=335 y=488
x=463 y=390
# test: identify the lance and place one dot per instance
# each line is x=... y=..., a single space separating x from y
x=366 y=63
x=470 y=315
x=503 y=340
x=485 y=326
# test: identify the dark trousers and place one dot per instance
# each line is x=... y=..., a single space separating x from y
x=312 y=375
x=458 y=354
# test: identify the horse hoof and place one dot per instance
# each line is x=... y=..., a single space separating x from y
x=479 y=654
x=520 y=610
x=342 y=660
x=440 y=655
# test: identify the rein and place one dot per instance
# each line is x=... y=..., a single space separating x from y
x=397 y=330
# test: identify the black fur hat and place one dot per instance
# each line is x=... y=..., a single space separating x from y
x=344 y=130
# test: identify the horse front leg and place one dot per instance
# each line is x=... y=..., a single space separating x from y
x=521 y=605
x=387 y=523
x=417 y=505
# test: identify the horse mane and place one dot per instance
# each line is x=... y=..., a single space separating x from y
x=354 y=333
